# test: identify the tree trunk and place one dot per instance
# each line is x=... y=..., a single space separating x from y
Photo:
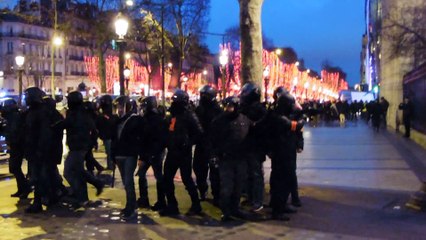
x=101 y=70
x=251 y=41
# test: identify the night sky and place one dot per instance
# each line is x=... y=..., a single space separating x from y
x=316 y=29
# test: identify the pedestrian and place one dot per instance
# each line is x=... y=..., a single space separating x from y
x=376 y=115
x=384 y=104
x=12 y=129
x=153 y=142
x=184 y=131
x=252 y=108
x=126 y=148
x=407 y=115
x=229 y=133
x=286 y=140
x=206 y=111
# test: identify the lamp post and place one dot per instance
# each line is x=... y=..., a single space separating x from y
x=57 y=41
x=185 y=82
x=126 y=73
x=121 y=25
x=20 y=60
x=223 y=60
x=205 y=75
x=266 y=81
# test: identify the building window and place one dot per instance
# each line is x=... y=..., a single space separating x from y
x=10 y=47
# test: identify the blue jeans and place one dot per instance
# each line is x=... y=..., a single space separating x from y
x=74 y=173
x=127 y=167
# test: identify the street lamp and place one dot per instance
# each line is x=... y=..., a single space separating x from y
x=185 y=81
x=266 y=81
x=278 y=51
x=126 y=73
x=20 y=60
x=57 y=41
x=205 y=75
x=121 y=25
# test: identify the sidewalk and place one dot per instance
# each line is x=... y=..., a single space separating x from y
x=354 y=184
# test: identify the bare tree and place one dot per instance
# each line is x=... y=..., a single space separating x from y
x=405 y=29
x=184 y=20
x=251 y=41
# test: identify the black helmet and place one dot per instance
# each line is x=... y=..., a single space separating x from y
x=33 y=96
x=180 y=96
x=105 y=100
x=8 y=105
x=75 y=99
x=234 y=101
x=278 y=92
x=149 y=103
x=207 y=93
x=123 y=101
x=285 y=103
x=50 y=102
x=250 y=93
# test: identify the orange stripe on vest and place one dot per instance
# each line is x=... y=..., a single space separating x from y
x=293 y=126
x=172 y=125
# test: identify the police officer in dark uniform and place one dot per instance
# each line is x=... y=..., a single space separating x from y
x=153 y=142
x=37 y=144
x=55 y=186
x=255 y=111
x=104 y=123
x=80 y=128
x=206 y=111
x=184 y=131
x=13 y=131
x=285 y=141
x=229 y=132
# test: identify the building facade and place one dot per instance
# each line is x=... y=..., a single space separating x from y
x=387 y=62
x=34 y=42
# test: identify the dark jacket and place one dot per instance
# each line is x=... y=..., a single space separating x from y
x=126 y=136
x=256 y=112
x=13 y=128
x=284 y=140
x=184 y=130
x=153 y=135
x=105 y=124
x=407 y=111
x=55 y=155
x=229 y=132
x=38 y=133
x=80 y=129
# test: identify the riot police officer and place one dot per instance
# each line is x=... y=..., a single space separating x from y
x=37 y=144
x=13 y=131
x=206 y=111
x=153 y=141
x=80 y=129
x=285 y=141
x=104 y=123
x=229 y=133
x=256 y=112
x=184 y=131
